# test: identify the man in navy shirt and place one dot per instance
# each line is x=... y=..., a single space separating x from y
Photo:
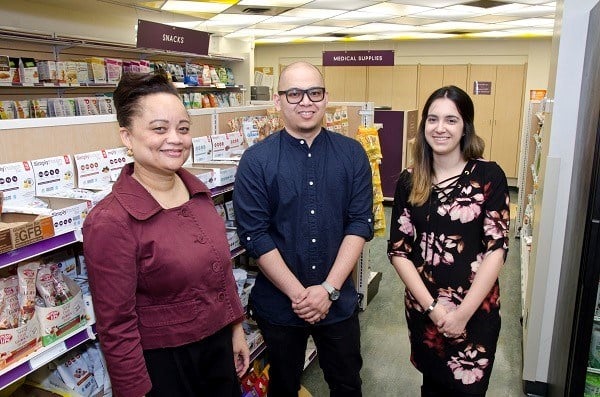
x=303 y=201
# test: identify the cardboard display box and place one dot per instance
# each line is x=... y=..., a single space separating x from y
x=206 y=176
x=18 y=230
x=17 y=343
x=224 y=172
x=56 y=322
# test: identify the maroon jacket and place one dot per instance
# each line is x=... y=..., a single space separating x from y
x=159 y=278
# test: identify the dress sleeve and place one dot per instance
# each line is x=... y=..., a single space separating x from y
x=497 y=210
x=402 y=230
x=110 y=255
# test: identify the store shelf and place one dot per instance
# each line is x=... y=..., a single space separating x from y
x=44 y=355
x=237 y=252
x=35 y=249
x=311 y=354
x=258 y=351
x=221 y=189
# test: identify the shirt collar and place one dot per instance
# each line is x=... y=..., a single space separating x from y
x=138 y=202
x=301 y=141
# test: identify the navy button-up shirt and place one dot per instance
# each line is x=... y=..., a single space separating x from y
x=302 y=201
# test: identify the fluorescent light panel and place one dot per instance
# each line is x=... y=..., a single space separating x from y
x=194 y=6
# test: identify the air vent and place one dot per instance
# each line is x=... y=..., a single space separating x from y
x=459 y=32
x=339 y=35
x=255 y=10
x=486 y=4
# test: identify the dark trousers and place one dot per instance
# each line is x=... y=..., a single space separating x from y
x=338 y=347
x=203 y=368
x=432 y=388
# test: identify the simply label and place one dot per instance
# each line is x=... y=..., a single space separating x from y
x=17 y=182
x=93 y=170
x=117 y=158
x=202 y=149
x=53 y=174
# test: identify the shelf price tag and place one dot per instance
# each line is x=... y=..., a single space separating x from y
x=47 y=355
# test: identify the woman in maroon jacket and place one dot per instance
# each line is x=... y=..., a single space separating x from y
x=167 y=310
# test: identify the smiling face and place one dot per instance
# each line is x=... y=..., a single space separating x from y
x=303 y=119
x=444 y=128
x=159 y=134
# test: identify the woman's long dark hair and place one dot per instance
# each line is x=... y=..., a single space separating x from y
x=471 y=145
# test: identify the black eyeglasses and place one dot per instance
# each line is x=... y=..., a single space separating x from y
x=295 y=95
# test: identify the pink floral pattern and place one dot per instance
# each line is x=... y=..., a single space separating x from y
x=468 y=366
x=447 y=239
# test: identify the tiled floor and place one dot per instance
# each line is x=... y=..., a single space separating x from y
x=387 y=371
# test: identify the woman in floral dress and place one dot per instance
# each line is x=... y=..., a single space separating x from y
x=448 y=241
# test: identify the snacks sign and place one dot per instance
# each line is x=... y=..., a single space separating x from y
x=171 y=38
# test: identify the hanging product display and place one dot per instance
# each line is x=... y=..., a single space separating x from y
x=369 y=139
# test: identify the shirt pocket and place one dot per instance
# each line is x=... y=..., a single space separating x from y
x=169 y=314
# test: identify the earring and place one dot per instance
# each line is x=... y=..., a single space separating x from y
x=129 y=152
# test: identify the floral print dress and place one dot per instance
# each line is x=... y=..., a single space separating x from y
x=446 y=239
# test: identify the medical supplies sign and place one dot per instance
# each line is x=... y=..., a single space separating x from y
x=358 y=58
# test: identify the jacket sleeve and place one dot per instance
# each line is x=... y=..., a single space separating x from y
x=110 y=254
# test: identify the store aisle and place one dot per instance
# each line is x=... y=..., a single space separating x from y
x=387 y=371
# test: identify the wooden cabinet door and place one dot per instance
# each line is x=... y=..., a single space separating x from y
x=484 y=104
x=456 y=75
x=356 y=84
x=380 y=84
x=335 y=82
x=431 y=77
x=404 y=91
x=508 y=107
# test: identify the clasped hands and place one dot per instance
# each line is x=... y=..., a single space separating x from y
x=312 y=304
x=450 y=323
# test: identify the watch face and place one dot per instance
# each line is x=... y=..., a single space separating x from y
x=334 y=295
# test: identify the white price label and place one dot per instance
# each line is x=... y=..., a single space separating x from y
x=48 y=355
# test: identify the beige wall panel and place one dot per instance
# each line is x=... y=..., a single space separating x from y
x=456 y=75
x=41 y=142
x=335 y=82
x=380 y=85
x=356 y=84
x=510 y=80
x=404 y=94
x=484 y=104
x=201 y=125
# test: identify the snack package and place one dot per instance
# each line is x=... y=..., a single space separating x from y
x=51 y=285
x=27 y=275
x=75 y=371
x=9 y=302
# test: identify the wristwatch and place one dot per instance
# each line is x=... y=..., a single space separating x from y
x=334 y=294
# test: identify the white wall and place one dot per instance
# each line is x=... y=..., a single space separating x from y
x=562 y=200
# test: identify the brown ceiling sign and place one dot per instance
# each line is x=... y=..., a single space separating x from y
x=171 y=38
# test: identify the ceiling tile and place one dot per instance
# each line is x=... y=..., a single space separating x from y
x=392 y=9
x=316 y=13
x=341 y=5
x=411 y=21
x=430 y=3
x=491 y=18
x=457 y=26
